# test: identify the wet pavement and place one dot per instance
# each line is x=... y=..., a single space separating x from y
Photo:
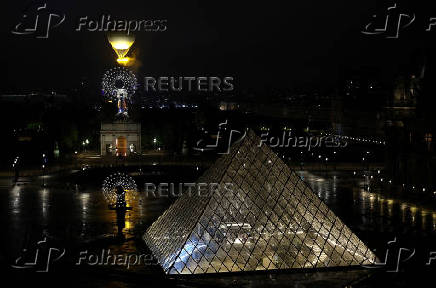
x=70 y=213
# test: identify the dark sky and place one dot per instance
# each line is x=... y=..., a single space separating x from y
x=280 y=44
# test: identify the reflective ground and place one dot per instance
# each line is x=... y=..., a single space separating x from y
x=71 y=214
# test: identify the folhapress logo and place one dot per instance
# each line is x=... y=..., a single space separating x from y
x=38 y=21
x=40 y=258
x=391 y=24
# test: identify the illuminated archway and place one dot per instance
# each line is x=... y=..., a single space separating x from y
x=121 y=144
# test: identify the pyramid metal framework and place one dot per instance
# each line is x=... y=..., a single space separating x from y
x=269 y=219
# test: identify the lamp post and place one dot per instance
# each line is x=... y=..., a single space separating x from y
x=44 y=163
x=16 y=169
x=334 y=159
x=84 y=144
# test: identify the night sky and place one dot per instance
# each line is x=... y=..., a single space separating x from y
x=264 y=45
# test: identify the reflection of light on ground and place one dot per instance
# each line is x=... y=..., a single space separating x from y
x=15 y=199
x=373 y=202
x=128 y=223
x=335 y=184
x=319 y=185
x=44 y=198
x=434 y=221
x=413 y=213
x=409 y=213
x=424 y=214
x=390 y=205
x=84 y=201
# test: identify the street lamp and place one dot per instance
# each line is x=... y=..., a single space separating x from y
x=84 y=144
x=44 y=162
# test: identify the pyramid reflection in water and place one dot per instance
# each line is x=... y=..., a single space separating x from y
x=270 y=219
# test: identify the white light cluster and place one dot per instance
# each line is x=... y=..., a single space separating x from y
x=362 y=140
x=111 y=183
x=15 y=161
x=118 y=75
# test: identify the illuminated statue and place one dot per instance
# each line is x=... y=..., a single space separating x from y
x=119 y=84
x=121 y=102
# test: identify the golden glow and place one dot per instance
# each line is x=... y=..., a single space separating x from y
x=128 y=224
x=121 y=47
x=123 y=60
x=121 y=44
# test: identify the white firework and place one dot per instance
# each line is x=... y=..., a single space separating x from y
x=116 y=79
x=112 y=182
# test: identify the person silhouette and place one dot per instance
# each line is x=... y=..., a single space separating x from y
x=120 y=208
x=121 y=198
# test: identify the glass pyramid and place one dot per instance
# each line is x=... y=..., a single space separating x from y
x=269 y=219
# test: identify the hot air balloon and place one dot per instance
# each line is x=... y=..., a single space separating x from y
x=121 y=44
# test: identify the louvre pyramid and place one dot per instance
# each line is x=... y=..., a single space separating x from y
x=269 y=219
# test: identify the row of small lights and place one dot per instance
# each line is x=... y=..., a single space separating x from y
x=166 y=106
x=358 y=139
x=372 y=177
x=312 y=154
x=424 y=189
x=354 y=173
